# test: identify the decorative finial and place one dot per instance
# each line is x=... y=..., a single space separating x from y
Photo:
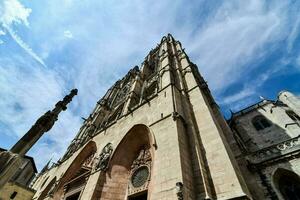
x=62 y=105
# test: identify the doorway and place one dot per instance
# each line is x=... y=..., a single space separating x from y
x=139 y=196
x=73 y=196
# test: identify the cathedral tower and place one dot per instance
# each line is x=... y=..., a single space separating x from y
x=156 y=134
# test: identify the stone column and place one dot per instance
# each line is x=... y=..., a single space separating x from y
x=11 y=160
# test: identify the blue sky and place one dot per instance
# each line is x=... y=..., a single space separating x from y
x=244 y=49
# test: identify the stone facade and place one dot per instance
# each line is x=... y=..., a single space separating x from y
x=266 y=144
x=156 y=134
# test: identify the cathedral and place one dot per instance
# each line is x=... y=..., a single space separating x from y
x=158 y=134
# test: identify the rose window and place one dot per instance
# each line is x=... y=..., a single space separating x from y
x=140 y=176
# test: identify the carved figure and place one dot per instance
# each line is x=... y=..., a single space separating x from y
x=104 y=157
x=144 y=158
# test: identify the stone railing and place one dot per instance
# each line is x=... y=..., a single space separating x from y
x=276 y=150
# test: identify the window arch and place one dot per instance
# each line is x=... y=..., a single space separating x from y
x=77 y=174
x=260 y=122
x=293 y=116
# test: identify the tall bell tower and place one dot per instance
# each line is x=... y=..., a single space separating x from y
x=156 y=134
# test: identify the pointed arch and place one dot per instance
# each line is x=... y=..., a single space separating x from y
x=115 y=181
x=89 y=149
x=286 y=183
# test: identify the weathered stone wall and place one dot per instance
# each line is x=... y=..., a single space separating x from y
x=260 y=153
x=23 y=193
x=276 y=133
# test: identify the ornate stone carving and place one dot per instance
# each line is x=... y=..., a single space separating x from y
x=144 y=158
x=280 y=149
x=104 y=157
x=122 y=93
x=91 y=129
x=116 y=113
x=150 y=87
x=123 y=87
x=88 y=163
x=140 y=172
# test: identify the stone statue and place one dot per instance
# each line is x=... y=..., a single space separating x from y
x=104 y=157
x=144 y=158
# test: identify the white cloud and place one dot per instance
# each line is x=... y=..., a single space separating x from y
x=68 y=34
x=1 y=42
x=13 y=12
x=2 y=32
x=238 y=96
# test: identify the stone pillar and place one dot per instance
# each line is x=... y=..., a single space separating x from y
x=42 y=125
x=11 y=160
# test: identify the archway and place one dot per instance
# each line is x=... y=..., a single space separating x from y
x=287 y=183
x=129 y=171
x=74 y=179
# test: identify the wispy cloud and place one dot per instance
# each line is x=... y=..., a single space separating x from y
x=13 y=12
x=249 y=92
x=68 y=34
x=23 y=45
x=236 y=35
x=294 y=34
